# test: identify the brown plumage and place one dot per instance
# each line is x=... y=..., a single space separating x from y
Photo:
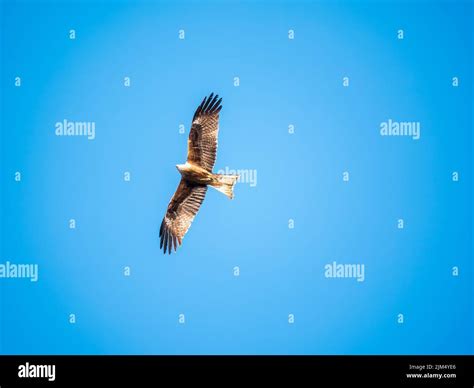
x=202 y=141
x=196 y=174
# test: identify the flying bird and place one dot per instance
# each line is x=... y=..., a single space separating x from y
x=196 y=175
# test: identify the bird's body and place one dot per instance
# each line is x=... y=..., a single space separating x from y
x=196 y=175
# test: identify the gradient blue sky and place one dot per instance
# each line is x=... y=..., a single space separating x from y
x=282 y=82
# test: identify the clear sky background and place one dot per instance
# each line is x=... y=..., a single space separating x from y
x=282 y=82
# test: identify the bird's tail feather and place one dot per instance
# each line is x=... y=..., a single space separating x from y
x=225 y=184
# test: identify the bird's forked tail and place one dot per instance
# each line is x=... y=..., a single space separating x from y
x=225 y=184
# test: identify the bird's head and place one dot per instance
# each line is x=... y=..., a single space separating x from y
x=181 y=167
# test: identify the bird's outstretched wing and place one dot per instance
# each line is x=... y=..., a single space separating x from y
x=202 y=141
x=182 y=209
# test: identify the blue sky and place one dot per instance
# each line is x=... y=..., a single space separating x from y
x=282 y=82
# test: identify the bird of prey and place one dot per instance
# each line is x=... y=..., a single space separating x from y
x=196 y=175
